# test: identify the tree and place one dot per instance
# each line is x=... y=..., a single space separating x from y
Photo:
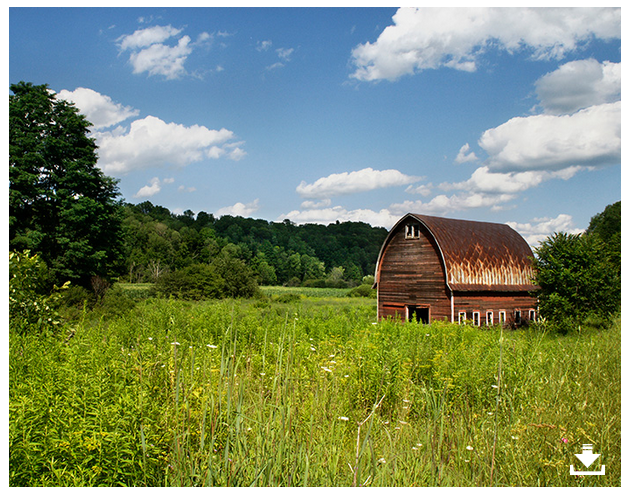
x=61 y=205
x=576 y=279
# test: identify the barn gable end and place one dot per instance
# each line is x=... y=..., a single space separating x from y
x=433 y=268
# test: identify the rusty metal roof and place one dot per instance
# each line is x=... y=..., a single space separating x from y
x=480 y=256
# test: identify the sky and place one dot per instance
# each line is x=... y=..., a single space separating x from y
x=316 y=115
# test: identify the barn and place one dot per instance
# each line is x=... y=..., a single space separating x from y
x=433 y=268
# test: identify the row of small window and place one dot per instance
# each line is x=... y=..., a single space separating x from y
x=502 y=317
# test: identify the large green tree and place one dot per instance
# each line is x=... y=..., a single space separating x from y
x=579 y=275
x=61 y=205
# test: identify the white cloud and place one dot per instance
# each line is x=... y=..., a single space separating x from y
x=329 y=215
x=465 y=155
x=239 y=209
x=579 y=84
x=428 y=38
x=151 y=142
x=147 y=37
x=423 y=190
x=277 y=65
x=443 y=204
x=285 y=53
x=590 y=137
x=485 y=181
x=149 y=190
x=311 y=204
x=353 y=182
x=162 y=59
x=540 y=228
x=99 y=109
x=152 y=50
x=263 y=46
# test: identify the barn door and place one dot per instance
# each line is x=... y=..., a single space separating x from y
x=418 y=314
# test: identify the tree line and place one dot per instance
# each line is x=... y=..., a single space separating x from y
x=158 y=242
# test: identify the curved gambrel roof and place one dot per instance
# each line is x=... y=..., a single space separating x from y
x=477 y=256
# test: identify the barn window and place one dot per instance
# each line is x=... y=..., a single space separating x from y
x=518 y=316
x=502 y=317
x=412 y=231
x=490 y=318
x=462 y=317
x=476 y=318
x=531 y=314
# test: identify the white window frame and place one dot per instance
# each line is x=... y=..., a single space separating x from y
x=462 y=314
x=476 y=318
x=412 y=231
x=489 y=318
x=502 y=317
x=532 y=315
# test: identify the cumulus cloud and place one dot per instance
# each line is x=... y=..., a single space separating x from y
x=149 y=190
x=146 y=37
x=149 y=53
x=590 y=137
x=383 y=218
x=239 y=209
x=99 y=109
x=148 y=142
x=354 y=182
x=579 y=84
x=423 y=190
x=465 y=155
x=442 y=204
x=151 y=142
x=540 y=228
x=485 y=181
x=429 y=38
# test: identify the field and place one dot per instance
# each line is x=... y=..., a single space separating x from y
x=308 y=392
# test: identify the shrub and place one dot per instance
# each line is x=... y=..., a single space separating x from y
x=362 y=291
x=195 y=282
x=31 y=307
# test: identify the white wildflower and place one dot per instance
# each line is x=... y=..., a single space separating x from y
x=212 y=346
x=469 y=447
x=343 y=418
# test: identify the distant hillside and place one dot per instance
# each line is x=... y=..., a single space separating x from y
x=158 y=240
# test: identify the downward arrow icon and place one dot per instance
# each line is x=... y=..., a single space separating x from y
x=586 y=456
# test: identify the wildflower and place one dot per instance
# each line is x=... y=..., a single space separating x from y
x=490 y=413
x=494 y=386
x=343 y=418
x=313 y=349
x=175 y=343
x=403 y=423
x=382 y=461
x=150 y=338
x=331 y=356
x=346 y=376
x=564 y=440
x=326 y=369
x=211 y=346
x=469 y=447
x=263 y=374
x=515 y=438
x=406 y=400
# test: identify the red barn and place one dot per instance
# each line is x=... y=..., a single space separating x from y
x=433 y=268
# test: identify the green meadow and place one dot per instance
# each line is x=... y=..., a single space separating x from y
x=307 y=391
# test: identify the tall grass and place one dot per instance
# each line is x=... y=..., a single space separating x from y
x=309 y=393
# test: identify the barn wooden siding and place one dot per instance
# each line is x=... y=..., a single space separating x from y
x=451 y=266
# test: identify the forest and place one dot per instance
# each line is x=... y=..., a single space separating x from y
x=157 y=242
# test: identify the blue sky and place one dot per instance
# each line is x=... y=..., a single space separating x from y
x=325 y=114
